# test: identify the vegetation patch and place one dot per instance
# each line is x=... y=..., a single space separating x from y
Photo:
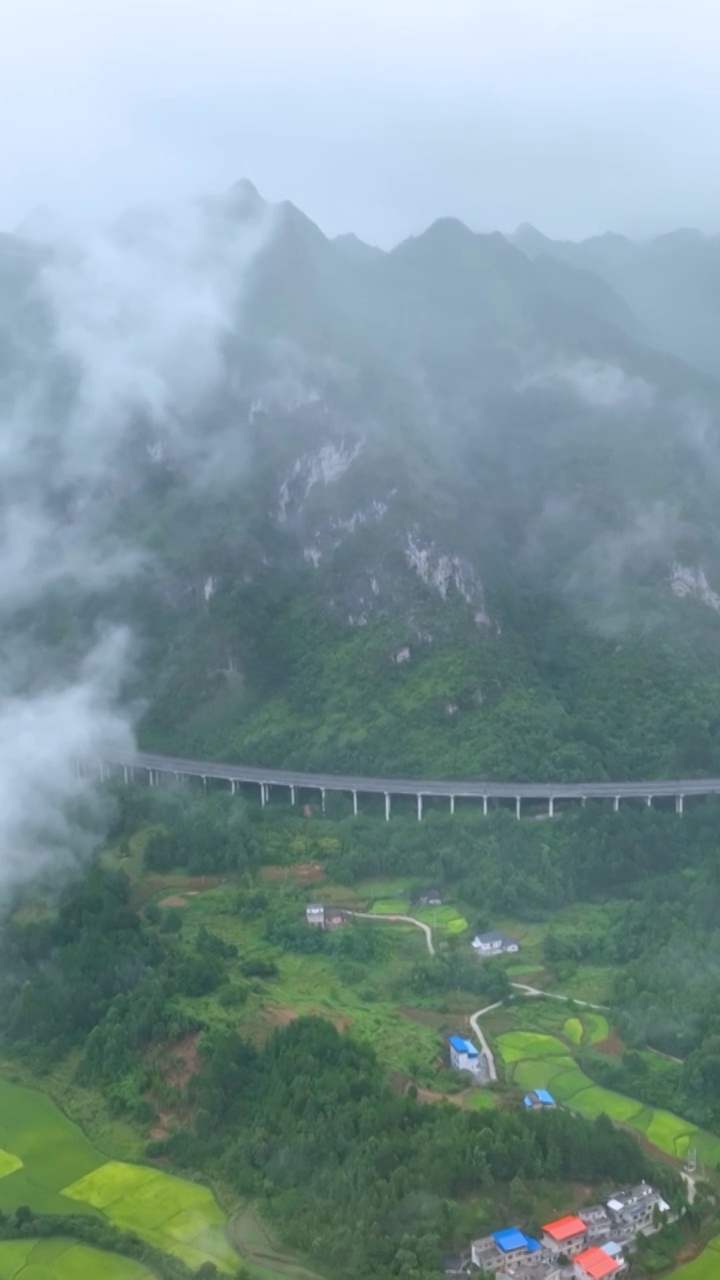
x=55 y=1165
x=515 y=1046
x=705 y=1267
x=171 y=1213
x=596 y=1027
x=60 y=1259
x=573 y=1030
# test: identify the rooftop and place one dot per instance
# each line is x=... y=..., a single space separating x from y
x=512 y=1238
x=564 y=1228
x=539 y=1095
x=597 y=1263
x=494 y=935
x=463 y=1046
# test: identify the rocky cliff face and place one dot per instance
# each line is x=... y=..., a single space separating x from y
x=443 y=476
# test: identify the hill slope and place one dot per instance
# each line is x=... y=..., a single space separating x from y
x=438 y=510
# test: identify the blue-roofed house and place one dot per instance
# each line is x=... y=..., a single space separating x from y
x=538 y=1099
x=503 y=1249
x=463 y=1055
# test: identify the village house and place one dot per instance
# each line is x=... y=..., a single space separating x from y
x=429 y=898
x=596 y=1263
x=507 y=1248
x=539 y=1100
x=635 y=1210
x=335 y=917
x=566 y=1235
x=494 y=943
x=464 y=1056
x=597 y=1221
x=324 y=917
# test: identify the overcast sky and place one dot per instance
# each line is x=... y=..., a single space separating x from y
x=372 y=115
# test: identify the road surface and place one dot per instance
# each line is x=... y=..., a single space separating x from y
x=525 y=990
x=372 y=915
x=407 y=786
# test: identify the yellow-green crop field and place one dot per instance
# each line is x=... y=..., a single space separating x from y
x=47 y=1162
x=705 y=1267
x=62 y=1259
x=538 y=1060
x=573 y=1030
x=446 y=918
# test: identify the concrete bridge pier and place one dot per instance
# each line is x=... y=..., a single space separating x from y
x=263 y=794
x=233 y=786
x=485 y=806
x=322 y=798
x=517 y=806
x=387 y=806
x=679 y=804
x=551 y=806
x=419 y=806
x=355 y=804
x=616 y=804
x=126 y=774
x=452 y=804
x=292 y=795
x=204 y=782
x=648 y=801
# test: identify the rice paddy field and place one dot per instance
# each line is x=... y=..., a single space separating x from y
x=61 y=1259
x=537 y=1059
x=47 y=1163
x=705 y=1267
x=445 y=918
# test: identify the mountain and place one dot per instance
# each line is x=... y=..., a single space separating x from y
x=445 y=510
x=670 y=284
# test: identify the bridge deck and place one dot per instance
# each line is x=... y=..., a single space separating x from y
x=408 y=786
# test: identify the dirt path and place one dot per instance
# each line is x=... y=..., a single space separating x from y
x=552 y=995
x=369 y=915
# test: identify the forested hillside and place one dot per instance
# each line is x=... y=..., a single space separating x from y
x=441 y=510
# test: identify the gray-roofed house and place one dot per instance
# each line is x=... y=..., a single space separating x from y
x=494 y=943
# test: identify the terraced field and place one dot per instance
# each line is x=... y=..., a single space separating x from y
x=539 y=1060
x=62 y=1259
x=46 y=1162
x=446 y=918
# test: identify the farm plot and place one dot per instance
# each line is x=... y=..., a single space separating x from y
x=446 y=918
x=64 y=1260
x=705 y=1267
x=49 y=1164
x=573 y=1030
x=177 y=1216
x=538 y=1060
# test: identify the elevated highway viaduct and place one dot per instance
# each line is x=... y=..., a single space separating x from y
x=548 y=794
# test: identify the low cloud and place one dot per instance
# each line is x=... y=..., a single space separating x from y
x=129 y=352
x=597 y=384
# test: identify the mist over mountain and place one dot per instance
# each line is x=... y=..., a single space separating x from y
x=670 y=284
x=448 y=509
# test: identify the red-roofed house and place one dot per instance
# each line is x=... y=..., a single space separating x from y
x=565 y=1235
x=595 y=1264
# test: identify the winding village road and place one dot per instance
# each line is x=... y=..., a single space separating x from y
x=525 y=990
x=371 y=915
